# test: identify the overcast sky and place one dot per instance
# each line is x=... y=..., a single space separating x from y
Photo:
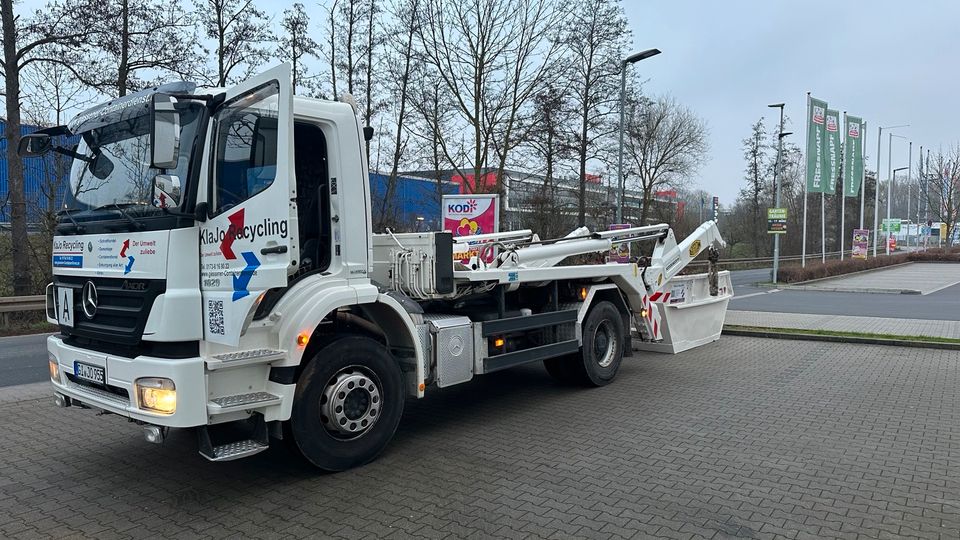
x=891 y=62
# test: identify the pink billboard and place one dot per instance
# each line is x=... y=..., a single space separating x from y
x=466 y=215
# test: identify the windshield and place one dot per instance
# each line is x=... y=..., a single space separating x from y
x=116 y=168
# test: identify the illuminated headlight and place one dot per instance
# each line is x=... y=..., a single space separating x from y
x=157 y=394
x=54 y=368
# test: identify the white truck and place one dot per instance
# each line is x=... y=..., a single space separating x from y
x=215 y=269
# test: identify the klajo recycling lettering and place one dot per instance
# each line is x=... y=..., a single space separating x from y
x=267 y=227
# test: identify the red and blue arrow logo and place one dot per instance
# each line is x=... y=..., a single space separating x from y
x=242 y=281
x=130 y=259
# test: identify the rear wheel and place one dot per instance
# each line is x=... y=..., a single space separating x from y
x=601 y=352
x=347 y=405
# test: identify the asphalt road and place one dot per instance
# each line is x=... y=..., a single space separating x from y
x=941 y=305
x=23 y=359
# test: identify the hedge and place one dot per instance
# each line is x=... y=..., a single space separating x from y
x=794 y=274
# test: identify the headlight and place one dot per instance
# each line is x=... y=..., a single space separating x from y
x=157 y=394
x=54 y=368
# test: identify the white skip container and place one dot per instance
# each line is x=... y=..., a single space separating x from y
x=689 y=316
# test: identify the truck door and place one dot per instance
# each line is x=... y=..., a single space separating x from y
x=249 y=242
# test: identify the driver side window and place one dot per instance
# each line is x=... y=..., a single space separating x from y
x=246 y=143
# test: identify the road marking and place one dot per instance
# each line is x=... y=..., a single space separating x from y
x=940 y=288
x=755 y=294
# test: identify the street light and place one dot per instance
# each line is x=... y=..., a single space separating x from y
x=776 y=183
x=632 y=59
x=889 y=191
x=876 y=190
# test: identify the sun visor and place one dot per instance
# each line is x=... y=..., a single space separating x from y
x=127 y=107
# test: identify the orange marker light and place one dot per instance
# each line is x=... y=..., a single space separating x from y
x=583 y=293
x=302 y=339
x=499 y=342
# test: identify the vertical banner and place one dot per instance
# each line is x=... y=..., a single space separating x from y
x=816 y=138
x=831 y=155
x=852 y=157
x=861 y=239
x=466 y=215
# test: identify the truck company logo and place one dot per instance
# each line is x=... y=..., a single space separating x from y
x=468 y=207
x=238 y=230
x=818 y=114
x=67 y=253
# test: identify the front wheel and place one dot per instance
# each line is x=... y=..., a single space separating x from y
x=347 y=404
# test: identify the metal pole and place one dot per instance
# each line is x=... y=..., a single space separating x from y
x=843 y=178
x=909 y=184
x=889 y=187
x=776 y=202
x=620 y=186
x=823 y=228
x=803 y=247
x=863 y=175
x=876 y=194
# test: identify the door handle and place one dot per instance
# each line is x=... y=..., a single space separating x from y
x=273 y=249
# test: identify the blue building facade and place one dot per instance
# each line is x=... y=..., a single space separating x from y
x=45 y=180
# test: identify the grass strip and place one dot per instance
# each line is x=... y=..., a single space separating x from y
x=837 y=333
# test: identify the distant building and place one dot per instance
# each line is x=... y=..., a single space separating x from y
x=42 y=193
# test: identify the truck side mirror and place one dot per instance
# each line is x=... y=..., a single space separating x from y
x=34 y=144
x=164 y=132
x=166 y=191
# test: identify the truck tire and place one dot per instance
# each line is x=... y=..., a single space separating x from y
x=347 y=404
x=600 y=354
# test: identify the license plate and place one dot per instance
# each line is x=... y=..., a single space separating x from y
x=90 y=373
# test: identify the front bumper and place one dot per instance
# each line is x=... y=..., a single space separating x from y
x=121 y=373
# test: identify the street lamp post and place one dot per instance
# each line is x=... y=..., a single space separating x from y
x=889 y=192
x=632 y=59
x=876 y=188
x=776 y=182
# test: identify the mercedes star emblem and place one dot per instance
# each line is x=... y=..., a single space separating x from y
x=89 y=296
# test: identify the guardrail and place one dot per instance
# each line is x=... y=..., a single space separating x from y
x=814 y=257
x=13 y=304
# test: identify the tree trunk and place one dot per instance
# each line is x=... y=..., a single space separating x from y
x=123 y=72
x=22 y=284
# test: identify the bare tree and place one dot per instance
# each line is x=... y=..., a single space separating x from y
x=241 y=32
x=943 y=186
x=24 y=41
x=466 y=43
x=406 y=15
x=666 y=144
x=755 y=154
x=135 y=39
x=594 y=36
x=296 y=44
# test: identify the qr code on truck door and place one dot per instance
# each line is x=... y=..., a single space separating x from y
x=215 y=317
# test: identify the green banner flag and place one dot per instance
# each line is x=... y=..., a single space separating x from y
x=831 y=155
x=816 y=139
x=853 y=156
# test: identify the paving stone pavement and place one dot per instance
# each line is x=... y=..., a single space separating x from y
x=845 y=323
x=747 y=437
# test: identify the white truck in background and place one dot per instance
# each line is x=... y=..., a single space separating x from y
x=215 y=266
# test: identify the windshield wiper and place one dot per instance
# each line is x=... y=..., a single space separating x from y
x=136 y=224
x=69 y=213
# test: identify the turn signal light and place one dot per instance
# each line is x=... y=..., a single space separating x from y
x=54 y=369
x=302 y=339
x=583 y=293
x=499 y=342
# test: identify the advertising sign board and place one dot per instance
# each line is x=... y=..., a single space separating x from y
x=861 y=239
x=466 y=215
